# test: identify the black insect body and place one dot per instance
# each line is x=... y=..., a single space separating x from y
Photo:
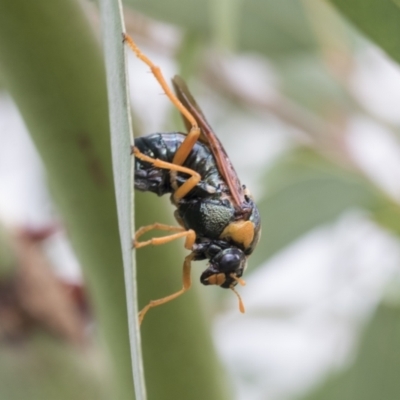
x=216 y=214
x=207 y=209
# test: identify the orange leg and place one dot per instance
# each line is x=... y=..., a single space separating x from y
x=189 y=234
x=183 y=190
x=194 y=133
x=186 y=286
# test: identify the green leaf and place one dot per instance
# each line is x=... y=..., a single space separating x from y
x=375 y=371
x=121 y=140
x=41 y=367
x=304 y=191
x=267 y=26
x=52 y=65
x=377 y=19
x=296 y=74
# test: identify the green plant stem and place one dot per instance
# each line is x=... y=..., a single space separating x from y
x=53 y=68
x=123 y=166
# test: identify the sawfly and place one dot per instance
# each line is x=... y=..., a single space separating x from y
x=216 y=214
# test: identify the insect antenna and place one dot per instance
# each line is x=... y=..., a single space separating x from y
x=241 y=305
x=240 y=281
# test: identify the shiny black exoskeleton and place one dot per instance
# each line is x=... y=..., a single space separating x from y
x=207 y=209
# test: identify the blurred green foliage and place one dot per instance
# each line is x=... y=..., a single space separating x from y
x=51 y=64
x=266 y=26
x=304 y=191
x=379 y=20
x=374 y=372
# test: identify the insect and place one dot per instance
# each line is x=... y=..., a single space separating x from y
x=217 y=215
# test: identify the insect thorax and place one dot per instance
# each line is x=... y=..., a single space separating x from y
x=207 y=217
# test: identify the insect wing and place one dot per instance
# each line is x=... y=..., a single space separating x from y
x=208 y=136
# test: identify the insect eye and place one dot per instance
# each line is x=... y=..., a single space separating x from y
x=230 y=262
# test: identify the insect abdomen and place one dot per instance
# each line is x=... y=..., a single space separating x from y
x=163 y=146
x=148 y=178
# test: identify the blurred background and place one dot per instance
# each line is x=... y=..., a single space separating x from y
x=304 y=95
